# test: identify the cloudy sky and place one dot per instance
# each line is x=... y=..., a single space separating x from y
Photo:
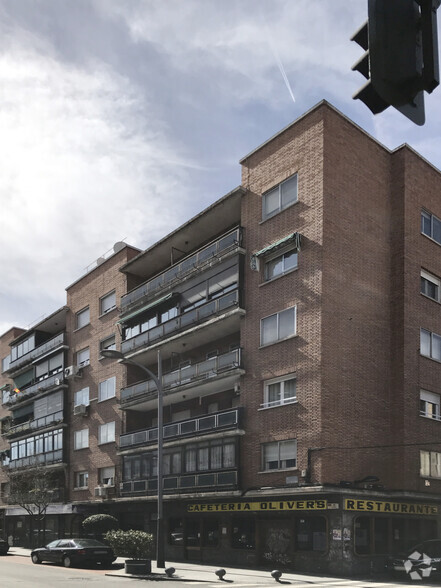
x=121 y=119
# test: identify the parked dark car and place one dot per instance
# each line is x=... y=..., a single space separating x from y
x=72 y=552
x=4 y=547
x=421 y=561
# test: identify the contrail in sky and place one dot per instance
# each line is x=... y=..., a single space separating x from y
x=278 y=60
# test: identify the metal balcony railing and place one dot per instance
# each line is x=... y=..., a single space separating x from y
x=41 y=458
x=34 y=424
x=198 y=425
x=183 y=321
x=210 y=368
x=41 y=386
x=181 y=269
x=182 y=483
x=38 y=352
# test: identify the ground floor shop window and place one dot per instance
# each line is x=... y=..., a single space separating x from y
x=383 y=535
x=310 y=534
x=194 y=532
x=244 y=533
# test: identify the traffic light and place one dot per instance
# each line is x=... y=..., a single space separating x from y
x=401 y=55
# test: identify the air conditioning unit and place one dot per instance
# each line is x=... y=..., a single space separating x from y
x=81 y=409
x=72 y=372
x=57 y=381
x=101 y=491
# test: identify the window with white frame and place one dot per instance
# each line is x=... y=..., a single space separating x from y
x=107 y=389
x=81 y=439
x=106 y=433
x=108 y=302
x=108 y=343
x=279 y=455
x=430 y=286
x=82 y=397
x=279 y=197
x=278 y=326
x=81 y=479
x=280 y=264
x=83 y=357
x=279 y=391
x=106 y=476
x=82 y=318
x=430 y=344
x=430 y=464
x=429 y=404
x=431 y=226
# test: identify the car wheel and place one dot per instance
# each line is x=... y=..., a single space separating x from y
x=67 y=562
x=35 y=558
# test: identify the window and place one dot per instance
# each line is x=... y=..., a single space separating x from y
x=5 y=363
x=106 y=433
x=106 y=476
x=82 y=318
x=430 y=464
x=279 y=391
x=81 y=479
x=430 y=404
x=108 y=302
x=107 y=389
x=279 y=197
x=108 y=343
x=49 y=367
x=431 y=226
x=278 y=326
x=430 y=344
x=311 y=533
x=83 y=357
x=81 y=439
x=282 y=264
x=82 y=397
x=243 y=533
x=279 y=455
x=430 y=286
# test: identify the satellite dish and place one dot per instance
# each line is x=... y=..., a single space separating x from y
x=118 y=246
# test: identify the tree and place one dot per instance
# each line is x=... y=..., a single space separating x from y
x=33 y=490
x=98 y=524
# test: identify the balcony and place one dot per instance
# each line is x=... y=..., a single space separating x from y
x=34 y=460
x=50 y=345
x=41 y=386
x=183 y=269
x=32 y=425
x=182 y=483
x=203 y=372
x=182 y=322
x=211 y=423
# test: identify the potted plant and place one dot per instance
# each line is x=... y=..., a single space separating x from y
x=138 y=546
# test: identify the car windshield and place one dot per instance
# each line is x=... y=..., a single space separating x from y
x=89 y=543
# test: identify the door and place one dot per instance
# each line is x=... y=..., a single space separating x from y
x=276 y=542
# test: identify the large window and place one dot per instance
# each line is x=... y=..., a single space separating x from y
x=23 y=347
x=106 y=476
x=106 y=433
x=37 y=444
x=81 y=439
x=278 y=326
x=310 y=533
x=48 y=367
x=82 y=397
x=82 y=318
x=279 y=197
x=431 y=226
x=81 y=479
x=430 y=344
x=430 y=464
x=108 y=343
x=83 y=357
x=279 y=455
x=279 y=391
x=429 y=404
x=430 y=286
x=281 y=264
x=107 y=389
x=108 y=302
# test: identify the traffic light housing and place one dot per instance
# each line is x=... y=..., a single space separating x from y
x=401 y=55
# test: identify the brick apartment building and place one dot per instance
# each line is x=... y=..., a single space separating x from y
x=298 y=325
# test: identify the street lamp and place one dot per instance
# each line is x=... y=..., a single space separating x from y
x=113 y=354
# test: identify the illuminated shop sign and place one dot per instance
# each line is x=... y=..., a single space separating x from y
x=260 y=506
x=391 y=507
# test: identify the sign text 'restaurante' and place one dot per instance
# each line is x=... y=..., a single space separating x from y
x=392 y=507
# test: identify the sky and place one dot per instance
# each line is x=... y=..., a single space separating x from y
x=122 y=119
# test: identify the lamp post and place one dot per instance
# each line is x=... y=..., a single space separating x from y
x=113 y=354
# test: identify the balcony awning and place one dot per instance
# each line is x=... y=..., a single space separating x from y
x=148 y=306
x=294 y=238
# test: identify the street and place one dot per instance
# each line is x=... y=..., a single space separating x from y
x=18 y=570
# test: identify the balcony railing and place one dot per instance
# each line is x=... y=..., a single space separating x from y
x=42 y=386
x=209 y=368
x=38 y=352
x=34 y=424
x=204 y=424
x=182 y=483
x=181 y=269
x=34 y=460
x=183 y=321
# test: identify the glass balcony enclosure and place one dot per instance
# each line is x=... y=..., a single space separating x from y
x=57 y=341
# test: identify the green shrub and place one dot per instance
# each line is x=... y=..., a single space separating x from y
x=99 y=524
x=131 y=544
